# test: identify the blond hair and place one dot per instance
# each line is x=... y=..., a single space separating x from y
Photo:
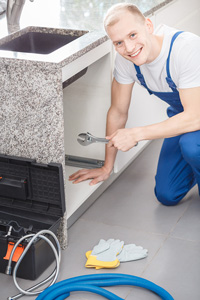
x=114 y=13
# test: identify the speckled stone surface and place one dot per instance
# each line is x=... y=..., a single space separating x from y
x=31 y=114
x=31 y=97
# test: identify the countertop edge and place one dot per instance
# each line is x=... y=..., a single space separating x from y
x=157 y=7
x=60 y=57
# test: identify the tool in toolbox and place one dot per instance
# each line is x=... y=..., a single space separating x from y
x=31 y=199
x=86 y=139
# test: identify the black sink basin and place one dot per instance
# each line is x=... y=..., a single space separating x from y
x=38 y=42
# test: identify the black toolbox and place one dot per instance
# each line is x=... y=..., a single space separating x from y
x=31 y=199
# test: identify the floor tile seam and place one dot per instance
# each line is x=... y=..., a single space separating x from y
x=180 y=217
x=127 y=227
x=113 y=226
x=183 y=239
x=105 y=223
x=161 y=247
x=156 y=253
x=129 y=292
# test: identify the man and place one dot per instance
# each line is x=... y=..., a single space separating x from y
x=167 y=64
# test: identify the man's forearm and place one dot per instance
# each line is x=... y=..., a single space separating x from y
x=171 y=127
x=110 y=156
x=186 y=121
x=117 y=116
x=114 y=121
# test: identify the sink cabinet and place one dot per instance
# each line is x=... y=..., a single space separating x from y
x=86 y=102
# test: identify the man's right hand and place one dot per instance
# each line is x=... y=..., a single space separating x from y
x=97 y=175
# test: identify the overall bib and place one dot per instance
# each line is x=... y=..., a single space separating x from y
x=179 y=162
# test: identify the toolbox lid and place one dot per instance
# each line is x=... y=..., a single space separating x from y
x=28 y=186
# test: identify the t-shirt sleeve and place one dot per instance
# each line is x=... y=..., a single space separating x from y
x=189 y=64
x=123 y=70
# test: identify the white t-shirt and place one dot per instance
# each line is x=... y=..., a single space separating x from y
x=184 y=63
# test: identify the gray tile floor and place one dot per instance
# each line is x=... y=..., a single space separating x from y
x=129 y=211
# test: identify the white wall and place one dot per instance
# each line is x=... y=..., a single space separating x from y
x=182 y=14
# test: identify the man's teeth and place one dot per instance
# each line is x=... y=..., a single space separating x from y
x=136 y=53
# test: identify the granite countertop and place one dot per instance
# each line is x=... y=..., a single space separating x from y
x=66 y=15
x=84 y=43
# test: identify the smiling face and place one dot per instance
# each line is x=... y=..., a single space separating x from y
x=133 y=38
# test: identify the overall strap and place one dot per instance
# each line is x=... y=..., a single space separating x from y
x=140 y=77
x=168 y=78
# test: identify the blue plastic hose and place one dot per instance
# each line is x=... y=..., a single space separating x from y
x=94 y=283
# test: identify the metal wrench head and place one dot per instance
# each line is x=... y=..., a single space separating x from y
x=85 y=139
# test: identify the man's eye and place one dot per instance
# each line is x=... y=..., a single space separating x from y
x=133 y=35
x=118 y=44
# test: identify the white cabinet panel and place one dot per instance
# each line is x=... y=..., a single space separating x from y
x=86 y=102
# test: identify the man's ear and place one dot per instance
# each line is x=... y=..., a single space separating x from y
x=149 y=25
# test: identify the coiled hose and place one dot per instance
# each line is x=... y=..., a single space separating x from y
x=94 y=283
x=53 y=276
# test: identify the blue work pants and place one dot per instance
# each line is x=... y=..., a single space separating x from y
x=178 y=167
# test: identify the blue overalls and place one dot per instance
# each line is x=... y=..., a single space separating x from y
x=179 y=162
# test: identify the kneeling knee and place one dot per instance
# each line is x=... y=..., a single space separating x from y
x=190 y=147
x=166 y=198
